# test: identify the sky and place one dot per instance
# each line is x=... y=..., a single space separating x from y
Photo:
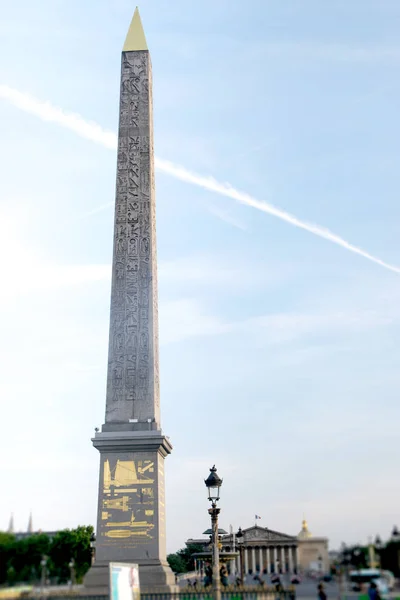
x=277 y=142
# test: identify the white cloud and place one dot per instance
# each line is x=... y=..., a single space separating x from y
x=325 y=51
x=38 y=273
x=187 y=317
x=226 y=216
x=210 y=271
x=95 y=133
x=285 y=327
x=184 y=318
x=44 y=277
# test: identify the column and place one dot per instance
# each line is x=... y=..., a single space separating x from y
x=268 y=561
x=233 y=566
x=246 y=561
x=290 y=559
x=283 y=560
x=260 y=559
x=275 y=554
x=297 y=561
x=253 y=560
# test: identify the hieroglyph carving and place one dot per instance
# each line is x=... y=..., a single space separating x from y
x=133 y=374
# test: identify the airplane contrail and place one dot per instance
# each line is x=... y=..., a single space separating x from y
x=94 y=132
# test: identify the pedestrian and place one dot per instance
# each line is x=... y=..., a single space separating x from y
x=321 y=592
x=279 y=590
x=208 y=575
x=223 y=573
x=373 y=592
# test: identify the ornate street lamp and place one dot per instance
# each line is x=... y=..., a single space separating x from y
x=395 y=534
x=320 y=563
x=358 y=560
x=93 y=546
x=72 y=572
x=378 y=547
x=240 y=542
x=43 y=564
x=213 y=484
x=345 y=561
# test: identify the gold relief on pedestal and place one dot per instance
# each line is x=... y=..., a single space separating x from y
x=123 y=493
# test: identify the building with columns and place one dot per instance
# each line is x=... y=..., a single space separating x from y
x=265 y=551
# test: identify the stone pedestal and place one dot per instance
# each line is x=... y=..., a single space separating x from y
x=155 y=577
x=131 y=515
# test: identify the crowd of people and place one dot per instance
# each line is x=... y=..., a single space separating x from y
x=373 y=591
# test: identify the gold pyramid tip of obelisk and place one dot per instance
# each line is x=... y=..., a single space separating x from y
x=135 y=39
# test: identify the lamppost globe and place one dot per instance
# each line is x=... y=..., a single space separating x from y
x=239 y=536
x=378 y=543
x=213 y=484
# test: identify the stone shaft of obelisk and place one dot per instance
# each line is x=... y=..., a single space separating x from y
x=133 y=375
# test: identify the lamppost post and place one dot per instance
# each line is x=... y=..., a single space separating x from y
x=344 y=568
x=93 y=547
x=72 y=572
x=357 y=554
x=43 y=564
x=320 y=564
x=240 y=540
x=213 y=484
x=378 y=548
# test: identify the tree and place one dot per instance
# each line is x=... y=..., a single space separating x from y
x=390 y=557
x=359 y=556
x=71 y=544
x=20 y=559
x=183 y=561
x=7 y=541
x=176 y=563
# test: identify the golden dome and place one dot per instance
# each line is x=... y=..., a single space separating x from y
x=304 y=533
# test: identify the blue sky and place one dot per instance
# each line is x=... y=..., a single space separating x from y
x=279 y=349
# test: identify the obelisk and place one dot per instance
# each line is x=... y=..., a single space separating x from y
x=131 y=505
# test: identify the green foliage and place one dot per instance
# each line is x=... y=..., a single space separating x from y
x=183 y=561
x=20 y=560
x=390 y=557
x=71 y=544
x=25 y=556
x=6 y=543
x=359 y=558
x=176 y=563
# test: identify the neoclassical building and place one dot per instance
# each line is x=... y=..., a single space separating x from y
x=313 y=551
x=267 y=551
x=263 y=550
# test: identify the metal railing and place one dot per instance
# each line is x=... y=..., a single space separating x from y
x=227 y=593
x=201 y=593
